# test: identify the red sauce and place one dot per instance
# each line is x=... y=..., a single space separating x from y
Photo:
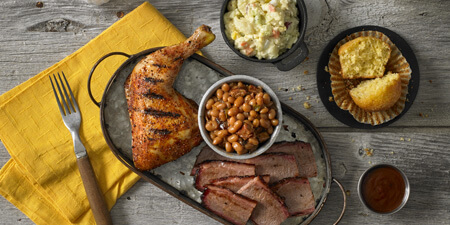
x=383 y=189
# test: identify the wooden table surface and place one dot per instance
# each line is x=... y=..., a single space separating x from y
x=418 y=143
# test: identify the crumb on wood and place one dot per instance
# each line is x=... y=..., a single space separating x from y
x=402 y=139
x=409 y=139
x=308 y=97
x=120 y=14
x=298 y=88
x=182 y=173
x=305 y=72
x=39 y=4
x=306 y=105
x=370 y=162
x=290 y=98
x=392 y=153
x=430 y=81
x=369 y=151
x=347 y=192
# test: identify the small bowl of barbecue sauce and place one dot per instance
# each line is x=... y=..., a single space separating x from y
x=384 y=189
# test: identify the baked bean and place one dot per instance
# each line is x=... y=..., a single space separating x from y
x=221 y=106
x=240 y=116
x=260 y=94
x=266 y=98
x=232 y=106
x=222 y=133
x=209 y=104
x=228 y=147
x=215 y=113
x=248 y=146
x=264 y=110
x=233 y=111
x=239 y=101
x=233 y=138
x=253 y=141
x=247 y=98
x=274 y=122
x=272 y=114
x=225 y=96
x=255 y=123
x=237 y=147
x=219 y=93
x=246 y=107
x=259 y=100
x=217 y=140
x=225 y=87
x=211 y=125
x=231 y=121
x=235 y=127
x=264 y=116
x=222 y=116
x=265 y=123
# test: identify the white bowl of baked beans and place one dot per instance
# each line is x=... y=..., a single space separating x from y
x=240 y=117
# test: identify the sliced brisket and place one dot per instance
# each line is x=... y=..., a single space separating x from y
x=271 y=209
x=297 y=195
x=303 y=154
x=227 y=204
x=277 y=165
x=234 y=183
x=210 y=170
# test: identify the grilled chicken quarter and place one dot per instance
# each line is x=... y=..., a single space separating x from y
x=163 y=122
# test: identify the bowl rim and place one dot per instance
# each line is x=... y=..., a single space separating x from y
x=302 y=15
x=405 y=180
x=249 y=80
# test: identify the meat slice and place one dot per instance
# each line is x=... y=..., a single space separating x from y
x=297 y=195
x=234 y=183
x=277 y=165
x=207 y=154
x=227 y=204
x=210 y=170
x=303 y=153
x=271 y=209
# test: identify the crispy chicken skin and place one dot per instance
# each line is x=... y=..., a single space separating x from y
x=163 y=122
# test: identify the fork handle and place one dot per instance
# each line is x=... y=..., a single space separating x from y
x=94 y=194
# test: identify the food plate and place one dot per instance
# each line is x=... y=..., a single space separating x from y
x=197 y=74
x=324 y=82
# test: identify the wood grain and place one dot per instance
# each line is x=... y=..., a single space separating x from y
x=33 y=39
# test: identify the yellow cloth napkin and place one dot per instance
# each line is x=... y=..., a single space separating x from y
x=42 y=178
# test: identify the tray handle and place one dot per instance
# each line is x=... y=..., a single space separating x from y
x=345 y=201
x=95 y=67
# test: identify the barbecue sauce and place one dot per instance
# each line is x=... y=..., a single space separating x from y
x=383 y=189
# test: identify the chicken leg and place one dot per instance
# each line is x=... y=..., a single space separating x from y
x=163 y=122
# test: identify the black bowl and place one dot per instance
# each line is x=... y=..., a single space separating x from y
x=289 y=59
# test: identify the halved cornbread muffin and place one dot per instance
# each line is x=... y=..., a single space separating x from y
x=378 y=94
x=364 y=57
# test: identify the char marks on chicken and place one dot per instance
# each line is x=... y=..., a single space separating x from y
x=163 y=122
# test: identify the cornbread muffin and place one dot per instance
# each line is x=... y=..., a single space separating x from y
x=378 y=94
x=364 y=57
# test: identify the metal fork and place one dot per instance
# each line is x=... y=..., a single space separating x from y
x=72 y=119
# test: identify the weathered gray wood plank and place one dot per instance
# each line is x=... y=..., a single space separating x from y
x=26 y=49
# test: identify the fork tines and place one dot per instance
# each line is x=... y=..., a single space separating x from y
x=70 y=104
